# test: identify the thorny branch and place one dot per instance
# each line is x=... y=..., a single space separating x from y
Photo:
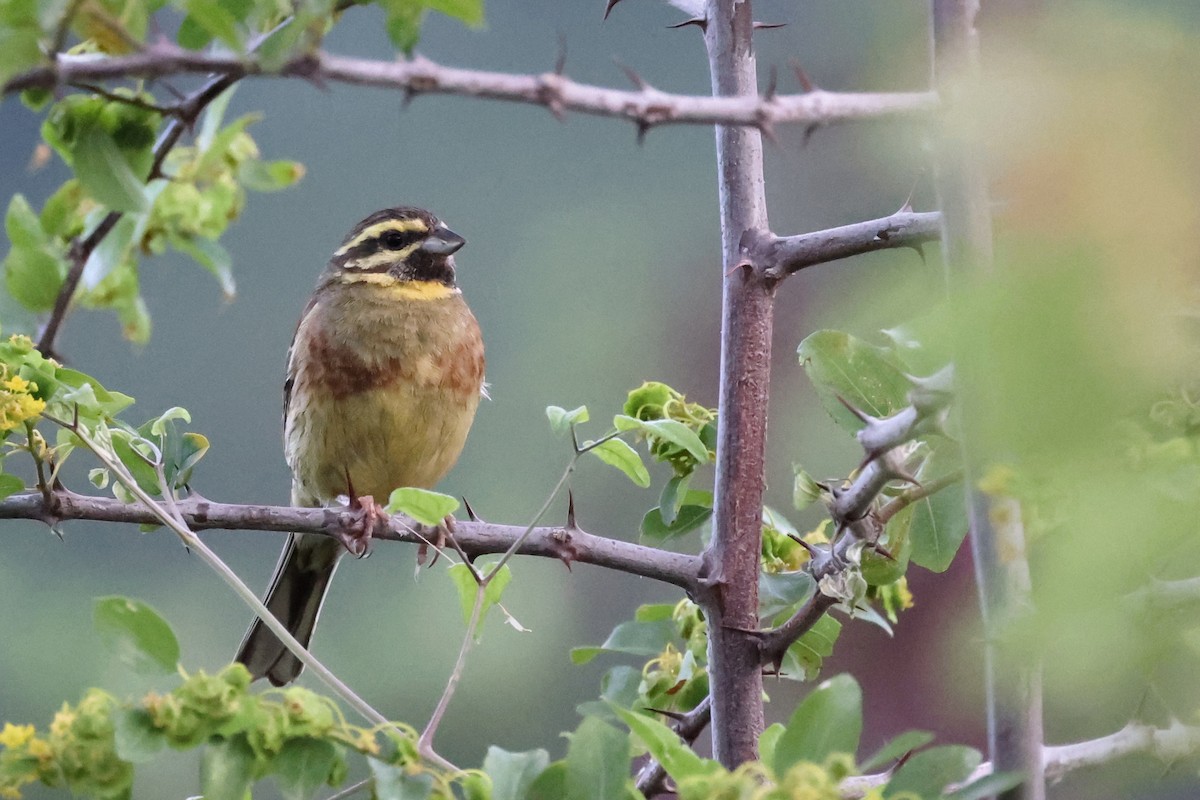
x=476 y=538
x=645 y=106
x=651 y=778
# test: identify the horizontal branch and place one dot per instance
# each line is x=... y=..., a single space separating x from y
x=780 y=256
x=1168 y=745
x=645 y=105
x=476 y=538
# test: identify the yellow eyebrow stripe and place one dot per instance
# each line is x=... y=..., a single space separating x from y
x=382 y=258
x=372 y=231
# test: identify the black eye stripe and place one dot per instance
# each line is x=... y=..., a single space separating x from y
x=398 y=240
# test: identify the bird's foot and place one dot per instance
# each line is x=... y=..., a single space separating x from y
x=365 y=515
x=435 y=536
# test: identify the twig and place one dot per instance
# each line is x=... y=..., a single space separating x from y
x=476 y=538
x=195 y=544
x=784 y=255
x=917 y=493
x=425 y=741
x=645 y=107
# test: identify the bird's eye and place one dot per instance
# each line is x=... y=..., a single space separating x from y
x=396 y=240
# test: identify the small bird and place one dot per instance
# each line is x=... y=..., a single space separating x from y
x=384 y=374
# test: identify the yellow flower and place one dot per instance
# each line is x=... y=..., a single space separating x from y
x=9 y=793
x=16 y=735
x=17 y=403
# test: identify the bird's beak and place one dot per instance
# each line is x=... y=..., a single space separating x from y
x=443 y=242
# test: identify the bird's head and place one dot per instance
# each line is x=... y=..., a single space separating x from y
x=397 y=247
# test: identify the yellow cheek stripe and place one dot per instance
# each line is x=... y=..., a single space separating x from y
x=382 y=259
x=373 y=231
x=409 y=290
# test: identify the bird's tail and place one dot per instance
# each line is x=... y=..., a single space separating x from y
x=295 y=598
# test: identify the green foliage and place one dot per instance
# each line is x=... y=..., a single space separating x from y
x=844 y=368
x=469 y=588
x=138 y=636
x=829 y=720
x=425 y=506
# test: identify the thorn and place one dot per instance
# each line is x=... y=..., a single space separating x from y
x=471 y=515
x=745 y=266
x=609 y=7
x=907 y=207
x=808 y=133
x=920 y=251
x=862 y=416
x=812 y=551
x=643 y=128
x=556 y=109
x=571 y=511
x=766 y=26
x=772 y=83
x=699 y=22
x=630 y=73
x=768 y=132
x=406 y=100
x=675 y=715
x=801 y=76
x=560 y=61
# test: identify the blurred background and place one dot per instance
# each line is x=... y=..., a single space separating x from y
x=592 y=264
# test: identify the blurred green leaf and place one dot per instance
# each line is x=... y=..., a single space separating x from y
x=269 y=176
x=939 y=525
x=303 y=766
x=137 y=738
x=808 y=653
x=896 y=748
x=992 y=785
x=393 y=783
x=928 y=773
x=136 y=634
x=828 y=720
x=551 y=784
x=468 y=11
x=676 y=757
x=619 y=454
x=840 y=365
x=10 y=485
x=208 y=19
x=597 y=762
x=426 y=507
x=672 y=497
x=106 y=173
x=561 y=420
x=20 y=42
x=213 y=257
x=227 y=769
x=513 y=773
x=632 y=637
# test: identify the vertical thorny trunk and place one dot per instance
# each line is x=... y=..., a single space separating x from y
x=732 y=561
x=997 y=540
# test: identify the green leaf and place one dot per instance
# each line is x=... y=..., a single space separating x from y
x=210 y=123
x=106 y=173
x=672 y=497
x=136 y=634
x=597 y=762
x=213 y=257
x=805 y=490
x=23 y=227
x=828 y=721
x=208 y=19
x=551 y=784
x=897 y=748
x=688 y=519
x=426 y=507
x=992 y=785
x=928 y=773
x=939 y=525
x=768 y=741
x=136 y=737
x=667 y=430
x=303 y=766
x=158 y=426
x=20 y=49
x=403 y=22
x=617 y=453
x=468 y=11
x=33 y=268
x=87 y=393
x=780 y=591
x=269 y=176
x=513 y=773
x=839 y=365
x=467 y=587
x=393 y=783
x=10 y=485
x=634 y=638
x=226 y=769
x=679 y=760
x=112 y=250
x=561 y=420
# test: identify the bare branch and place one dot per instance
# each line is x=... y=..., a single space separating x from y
x=645 y=106
x=651 y=778
x=475 y=538
x=780 y=256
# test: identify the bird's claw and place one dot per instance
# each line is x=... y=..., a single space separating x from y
x=365 y=515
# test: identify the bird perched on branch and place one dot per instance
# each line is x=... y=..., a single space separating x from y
x=384 y=375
